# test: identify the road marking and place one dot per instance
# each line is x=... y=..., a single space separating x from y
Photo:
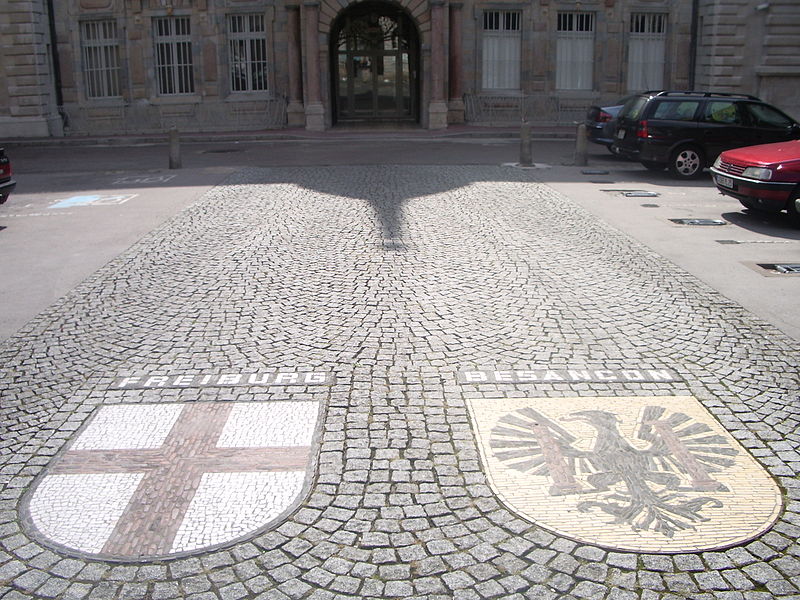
x=92 y=200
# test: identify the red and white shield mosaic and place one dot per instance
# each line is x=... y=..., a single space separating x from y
x=646 y=474
x=146 y=481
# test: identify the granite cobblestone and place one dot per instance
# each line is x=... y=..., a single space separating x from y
x=393 y=278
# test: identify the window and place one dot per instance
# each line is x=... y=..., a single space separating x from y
x=247 y=48
x=669 y=110
x=766 y=116
x=575 y=51
x=501 y=50
x=174 y=70
x=647 y=51
x=723 y=112
x=100 y=49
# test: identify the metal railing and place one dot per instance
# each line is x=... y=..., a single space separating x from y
x=497 y=109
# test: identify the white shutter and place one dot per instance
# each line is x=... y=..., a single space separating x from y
x=501 y=50
x=575 y=51
x=647 y=46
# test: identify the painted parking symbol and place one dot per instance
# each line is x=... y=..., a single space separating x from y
x=93 y=200
x=141 y=179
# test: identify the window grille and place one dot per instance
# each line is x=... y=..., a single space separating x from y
x=575 y=51
x=173 y=44
x=502 y=41
x=247 y=48
x=647 y=51
x=101 y=68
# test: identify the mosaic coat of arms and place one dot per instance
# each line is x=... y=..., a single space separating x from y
x=147 y=481
x=648 y=474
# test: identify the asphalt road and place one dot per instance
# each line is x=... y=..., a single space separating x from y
x=77 y=207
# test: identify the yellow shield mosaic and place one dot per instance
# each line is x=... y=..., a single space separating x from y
x=644 y=474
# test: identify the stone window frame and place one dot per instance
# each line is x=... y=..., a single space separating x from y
x=248 y=37
x=175 y=76
x=99 y=49
x=575 y=26
x=503 y=26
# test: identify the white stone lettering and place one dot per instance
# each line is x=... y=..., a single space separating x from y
x=633 y=375
x=580 y=375
x=157 y=381
x=183 y=380
x=229 y=379
x=126 y=381
x=286 y=378
x=552 y=376
x=527 y=376
x=258 y=378
x=662 y=375
x=471 y=376
x=503 y=376
x=315 y=378
x=605 y=375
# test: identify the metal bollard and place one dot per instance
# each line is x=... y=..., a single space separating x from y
x=525 y=145
x=581 y=146
x=174 y=148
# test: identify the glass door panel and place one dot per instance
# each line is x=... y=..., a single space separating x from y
x=362 y=82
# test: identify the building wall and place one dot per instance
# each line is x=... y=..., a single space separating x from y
x=741 y=46
x=751 y=46
x=27 y=102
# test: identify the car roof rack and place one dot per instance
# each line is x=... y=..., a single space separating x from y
x=708 y=94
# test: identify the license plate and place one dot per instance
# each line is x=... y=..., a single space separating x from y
x=620 y=134
x=726 y=182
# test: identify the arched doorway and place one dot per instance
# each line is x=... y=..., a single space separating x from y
x=375 y=64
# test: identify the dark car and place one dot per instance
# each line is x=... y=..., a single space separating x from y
x=600 y=122
x=765 y=178
x=7 y=184
x=686 y=131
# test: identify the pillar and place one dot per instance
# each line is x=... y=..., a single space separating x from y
x=455 y=103
x=295 y=112
x=315 y=112
x=437 y=109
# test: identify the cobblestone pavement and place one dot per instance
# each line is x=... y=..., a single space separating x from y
x=388 y=283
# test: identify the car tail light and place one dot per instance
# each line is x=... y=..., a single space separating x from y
x=604 y=117
x=5 y=168
x=641 y=131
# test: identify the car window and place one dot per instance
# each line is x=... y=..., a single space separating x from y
x=723 y=112
x=766 y=116
x=633 y=108
x=676 y=110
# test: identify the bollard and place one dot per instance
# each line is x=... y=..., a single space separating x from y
x=174 y=148
x=525 y=145
x=581 y=144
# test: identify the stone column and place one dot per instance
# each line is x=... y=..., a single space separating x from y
x=295 y=112
x=315 y=112
x=437 y=109
x=455 y=103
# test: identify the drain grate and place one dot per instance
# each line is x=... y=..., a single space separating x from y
x=783 y=268
x=594 y=172
x=700 y=222
x=649 y=205
x=641 y=194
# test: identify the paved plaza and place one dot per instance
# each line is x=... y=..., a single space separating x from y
x=397 y=382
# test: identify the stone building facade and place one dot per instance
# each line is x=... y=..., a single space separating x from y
x=77 y=67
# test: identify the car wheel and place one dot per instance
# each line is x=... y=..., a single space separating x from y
x=653 y=166
x=687 y=162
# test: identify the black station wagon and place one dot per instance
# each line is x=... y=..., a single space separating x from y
x=686 y=131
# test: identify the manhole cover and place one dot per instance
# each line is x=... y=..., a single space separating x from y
x=700 y=222
x=638 y=194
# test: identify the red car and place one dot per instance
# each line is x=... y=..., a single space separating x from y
x=765 y=177
x=6 y=183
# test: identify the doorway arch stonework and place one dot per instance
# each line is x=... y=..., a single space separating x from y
x=318 y=19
